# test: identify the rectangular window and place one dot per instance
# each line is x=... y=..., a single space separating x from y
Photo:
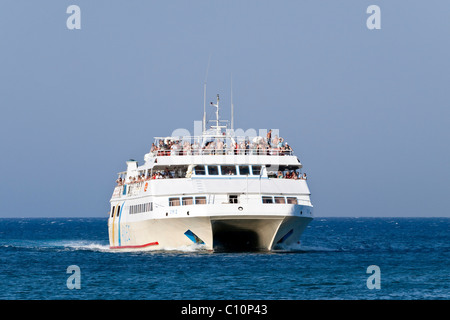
x=200 y=200
x=200 y=170
x=256 y=170
x=173 y=202
x=244 y=170
x=292 y=200
x=228 y=170
x=187 y=201
x=213 y=170
x=266 y=199
x=233 y=198
x=280 y=200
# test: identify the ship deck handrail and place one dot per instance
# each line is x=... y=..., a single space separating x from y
x=140 y=179
x=219 y=145
x=220 y=152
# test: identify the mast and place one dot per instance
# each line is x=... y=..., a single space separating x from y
x=204 y=94
x=217 y=127
x=204 y=107
x=232 y=106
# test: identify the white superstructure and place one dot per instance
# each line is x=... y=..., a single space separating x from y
x=216 y=189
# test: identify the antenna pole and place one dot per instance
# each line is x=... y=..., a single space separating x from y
x=217 y=116
x=232 y=106
x=204 y=94
x=204 y=107
x=217 y=127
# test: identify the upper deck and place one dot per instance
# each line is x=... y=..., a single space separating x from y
x=220 y=150
x=220 y=145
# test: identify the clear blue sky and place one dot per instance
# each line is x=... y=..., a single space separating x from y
x=367 y=111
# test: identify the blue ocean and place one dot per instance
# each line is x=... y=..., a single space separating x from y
x=411 y=258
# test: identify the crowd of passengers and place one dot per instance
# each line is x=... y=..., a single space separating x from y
x=259 y=146
x=291 y=175
x=166 y=174
x=163 y=174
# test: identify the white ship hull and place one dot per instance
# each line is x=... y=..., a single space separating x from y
x=217 y=189
x=215 y=227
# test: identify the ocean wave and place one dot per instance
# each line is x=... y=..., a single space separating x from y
x=55 y=245
x=298 y=247
x=84 y=245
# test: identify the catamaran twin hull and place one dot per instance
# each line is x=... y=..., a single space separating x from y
x=231 y=226
x=217 y=189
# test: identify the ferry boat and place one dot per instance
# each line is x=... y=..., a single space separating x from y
x=216 y=189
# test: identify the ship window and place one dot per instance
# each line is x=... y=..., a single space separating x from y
x=291 y=200
x=200 y=170
x=173 y=202
x=233 y=198
x=118 y=211
x=280 y=200
x=112 y=211
x=228 y=170
x=256 y=170
x=200 y=200
x=244 y=170
x=188 y=201
x=213 y=170
x=266 y=199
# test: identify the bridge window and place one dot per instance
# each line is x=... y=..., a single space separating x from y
x=213 y=170
x=256 y=170
x=244 y=170
x=200 y=170
x=228 y=170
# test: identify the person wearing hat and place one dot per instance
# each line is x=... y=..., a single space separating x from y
x=287 y=148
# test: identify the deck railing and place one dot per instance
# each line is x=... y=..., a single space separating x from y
x=207 y=152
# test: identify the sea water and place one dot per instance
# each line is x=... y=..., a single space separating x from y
x=411 y=256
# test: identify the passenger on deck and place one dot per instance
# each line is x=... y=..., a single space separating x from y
x=287 y=148
x=280 y=142
x=292 y=175
x=275 y=142
x=269 y=137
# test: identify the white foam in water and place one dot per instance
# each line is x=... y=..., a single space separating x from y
x=195 y=247
x=80 y=245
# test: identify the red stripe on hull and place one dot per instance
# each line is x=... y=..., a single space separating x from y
x=134 y=247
